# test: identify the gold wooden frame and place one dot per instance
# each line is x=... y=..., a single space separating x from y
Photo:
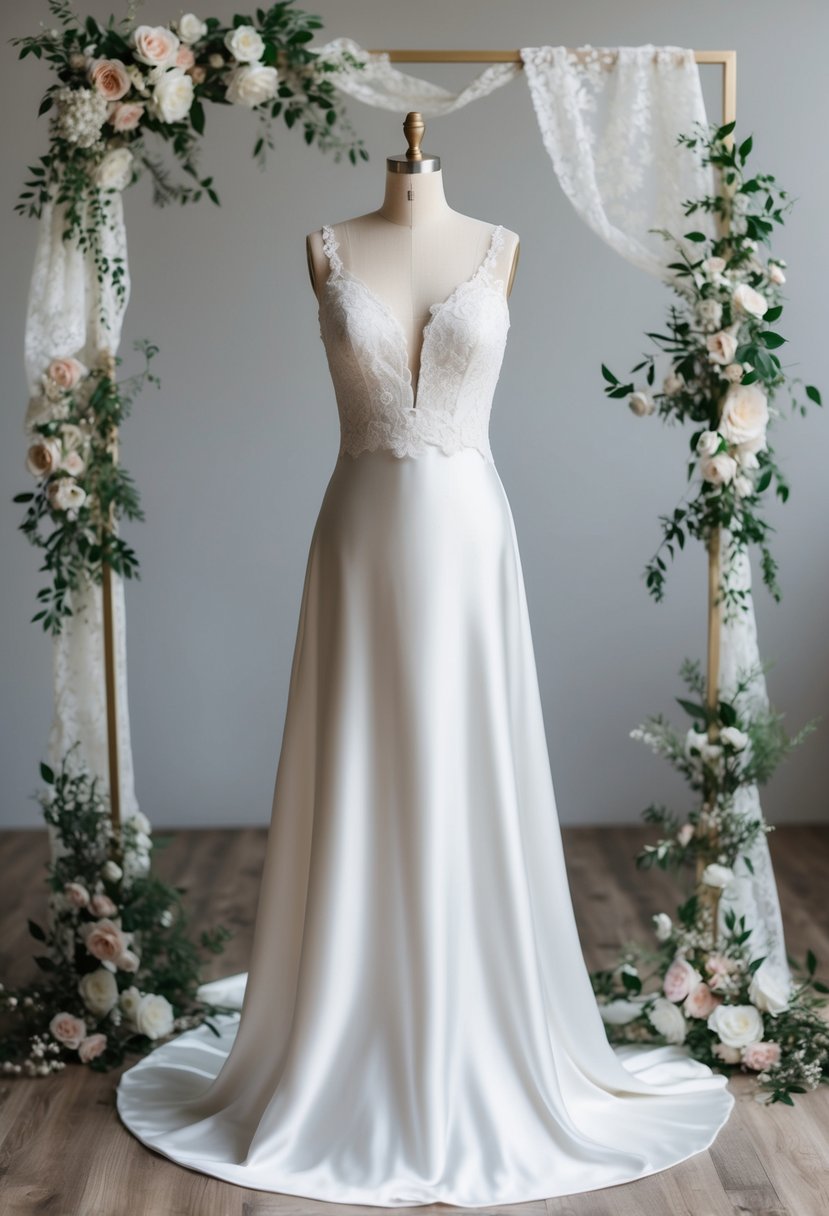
x=727 y=60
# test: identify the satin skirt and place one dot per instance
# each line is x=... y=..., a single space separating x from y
x=418 y=1024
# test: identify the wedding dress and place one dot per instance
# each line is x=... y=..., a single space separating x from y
x=418 y=1023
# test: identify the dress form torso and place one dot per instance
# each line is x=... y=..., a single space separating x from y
x=413 y=252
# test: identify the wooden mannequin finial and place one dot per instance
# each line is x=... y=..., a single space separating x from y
x=413 y=128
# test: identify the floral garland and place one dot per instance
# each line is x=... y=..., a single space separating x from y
x=82 y=489
x=119 y=969
x=723 y=373
x=707 y=988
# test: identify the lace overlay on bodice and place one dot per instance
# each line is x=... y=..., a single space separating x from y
x=368 y=357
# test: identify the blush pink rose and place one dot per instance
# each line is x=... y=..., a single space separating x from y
x=759 y=1056
x=154 y=44
x=128 y=961
x=91 y=1047
x=701 y=1001
x=68 y=1030
x=65 y=372
x=76 y=894
x=127 y=116
x=109 y=78
x=679 y=979
x=102 y=905
x=185 y=58
x=105 y=941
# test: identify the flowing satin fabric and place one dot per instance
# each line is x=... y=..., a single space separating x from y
x=418 y=1024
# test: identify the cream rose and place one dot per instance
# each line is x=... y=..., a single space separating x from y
x=679 y=979
x=66 y=372
x=641 y=404
x=776 y=275
x=251 y=84
x=736 y=1025
x=76 y=894
x=154 y=1016
x=127 y=116
x=719 y=469
x=43 y=457
x=68 y=1030
x=745 y=414
x=91 y=1047
x=109 y=77
x=620 y=1012
x=65 y=494
x=672 y=384
x=245 y=44
x=129 y=1001
x=685 y=834
x=733 y=372
x=73 y=463
x=734 y=737
x=666 y=1018
x=185 y=59
x=722 y=346
x=115 y=170
x=708 y=443
x=128 y=961
x=749 y=301
x=173 y=96
x=154 y=44
x=701 y=1001
x=760 y=1056
x=105 y=940
x=111 y=871
x=714 y=266
x=99 y=991
x=728 y=1055
x=663 y=926
x=191 y=28
x=102 y=905
x=769 y=990
x=717 y=876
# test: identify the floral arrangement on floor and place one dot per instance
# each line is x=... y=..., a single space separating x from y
x=119 y=971
x=705 y=983
x=120 y=84
x=82 y=490
x=723 y=375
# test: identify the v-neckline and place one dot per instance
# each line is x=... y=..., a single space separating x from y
x=340 y=270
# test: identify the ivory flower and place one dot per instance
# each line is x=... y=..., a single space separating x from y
x=112 y=871
x=252 y=84
x=65 y=494
x=769 y=990
x=154 y=44
x=749 y=301
x=43 y=457
x=129 y=1001
x=154 y=1016
x=679 y=979
x=99 y=991
x=708 y=443
x=102 y=905
x=736 y=1025
x=173 y=96
x=722 y=346
x=191 y=28
x=662 y=926
x=672 y=384
x=776 y=275
x=641 y=404
x=719 y=469
x=745 y=414
x=73 y=463
x=115 y=170
x=76 y=894
x=728 y=1055
x=734 y=737
x=245 y=44
x=717 y=876
x=666 y=1018
x=685 y=834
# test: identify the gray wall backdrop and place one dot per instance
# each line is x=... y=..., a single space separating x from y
x=233 y=455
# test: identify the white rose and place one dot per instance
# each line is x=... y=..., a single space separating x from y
x=154 y=1016
x=43 y=457
x=620 y=1012
x=115 y=170
x=142 y=823
x=717 y=876
x=245 y=44
x=722 y=346
x=708 y=443
x=112 y=871
x=769 y=990
x=73 y=463
x=251 y=84
x=65 y=494
x=733 y=372
x=667 y=1019
x=776 y=275
x=191 y=28
x=672 y=384
x=662 y=926
x=173 y=96
x=736 y=1025
x=743 y=486
x=745 y=414
x=749 y=301
x=154 y=44
x=718 y=469
x=714 y=266
x=129 y=1001
x=710 y=313
x=641 y=404
x=734 y=737
x=747 y=460
x=99 y=991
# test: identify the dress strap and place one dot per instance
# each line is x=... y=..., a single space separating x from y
x=330 y=245
x=496 y=243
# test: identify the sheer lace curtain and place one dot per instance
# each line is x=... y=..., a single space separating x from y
x=608 y=118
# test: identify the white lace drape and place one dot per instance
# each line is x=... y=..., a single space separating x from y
x=609 y=119
x=70 y=313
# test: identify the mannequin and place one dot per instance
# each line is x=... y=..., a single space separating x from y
x=414 y=249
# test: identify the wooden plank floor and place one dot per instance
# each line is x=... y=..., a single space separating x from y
x=63 y=1151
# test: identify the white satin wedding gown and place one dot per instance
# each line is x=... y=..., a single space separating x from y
x=418 y=1024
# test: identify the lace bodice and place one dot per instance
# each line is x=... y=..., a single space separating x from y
x=368 y=357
